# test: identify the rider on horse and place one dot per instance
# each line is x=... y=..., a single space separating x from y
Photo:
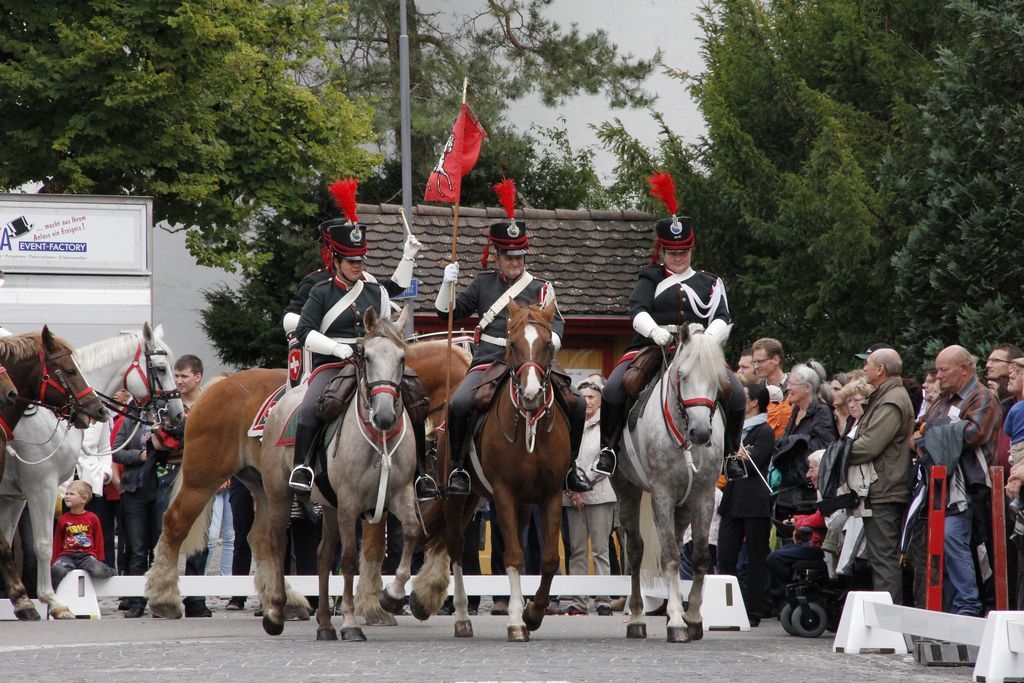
x=666 y=296
x=331 y=323
x=487 y=296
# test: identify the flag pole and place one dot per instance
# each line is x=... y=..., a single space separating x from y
x=451 y=312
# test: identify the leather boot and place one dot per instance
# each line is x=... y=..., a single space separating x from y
x=612 y=418
x=426 y=487
x=458 y=480
x=301 y=478
x=577 y=420
x=733 y=430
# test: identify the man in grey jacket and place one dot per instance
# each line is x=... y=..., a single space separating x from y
x=882 y=439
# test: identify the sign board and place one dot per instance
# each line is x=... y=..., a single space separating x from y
x=74 y=234
x=411 y=292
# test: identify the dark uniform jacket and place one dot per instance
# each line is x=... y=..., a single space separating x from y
x=750 y=498
x=478 y=297
x=349 y=325
x=672 y=306
x=321 y=275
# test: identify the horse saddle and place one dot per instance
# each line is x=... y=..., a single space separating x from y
x=332 y=402
x=642 y=371
x=494 y=378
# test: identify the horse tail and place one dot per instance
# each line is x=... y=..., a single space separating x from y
x=196 y=540
x=650 y=565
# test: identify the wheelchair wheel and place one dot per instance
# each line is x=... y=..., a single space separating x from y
x=786 y=619
x=809 y=621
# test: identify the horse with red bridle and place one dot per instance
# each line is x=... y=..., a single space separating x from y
x=42 y=368
x=519 y=458
x=218 y=445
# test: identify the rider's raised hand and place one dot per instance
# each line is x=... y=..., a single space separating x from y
x=343 y=351
x=411 y=248
x=451 y=273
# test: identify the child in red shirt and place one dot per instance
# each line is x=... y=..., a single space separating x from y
x=78 y=541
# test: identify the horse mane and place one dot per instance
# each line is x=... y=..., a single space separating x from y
x=107 y=351
x=25 y=346
x=387 y=329
x=701 y=355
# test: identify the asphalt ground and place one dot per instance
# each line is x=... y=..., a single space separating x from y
x=233 y=646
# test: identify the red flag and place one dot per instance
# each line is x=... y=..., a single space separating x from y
x=457 y=159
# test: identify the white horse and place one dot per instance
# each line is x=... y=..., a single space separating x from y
x=45 y=450
x=675 y=453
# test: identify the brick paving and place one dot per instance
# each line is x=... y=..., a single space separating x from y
x=232 y=646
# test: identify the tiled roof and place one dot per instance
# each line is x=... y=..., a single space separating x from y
x=592 y=257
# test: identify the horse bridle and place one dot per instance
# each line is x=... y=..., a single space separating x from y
x=57 y=380
x=155 y=393
x=367 y=390
x=515 y=372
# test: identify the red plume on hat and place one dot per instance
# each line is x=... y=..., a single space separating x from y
x=344 y=194
x=664 y=189
x=506 y=191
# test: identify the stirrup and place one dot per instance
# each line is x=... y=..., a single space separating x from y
x=608 y=453
x=426 y=488
x=458 y=482
x=301 y=479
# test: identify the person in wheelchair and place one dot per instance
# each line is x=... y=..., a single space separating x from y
x=807 y=536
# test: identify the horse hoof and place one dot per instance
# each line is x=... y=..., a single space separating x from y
x=326 y=634
x=353 y=633
x=381 y=619
x=695 y=631
x=62 y=613
x=28 y=613
x=271 y=628
x=636 y=630
x=165 y=611
x=417 y=608
x=464 y=629
x=390 y=604
x=677 y=634
x=533 y=616
x=518 y=634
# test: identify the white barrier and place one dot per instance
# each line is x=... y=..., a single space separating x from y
x=7 y=609
x=722 y=608
x=871 y=622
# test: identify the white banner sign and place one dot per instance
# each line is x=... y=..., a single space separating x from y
x=74 y=234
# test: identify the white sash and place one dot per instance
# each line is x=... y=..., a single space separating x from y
x=339 y=308
x=701 y=309
x=502 y=301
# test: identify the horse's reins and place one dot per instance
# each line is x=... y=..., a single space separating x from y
x=515 y=386
x=155 y=393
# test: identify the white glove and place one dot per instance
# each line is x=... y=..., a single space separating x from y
x=451 y=273
x=661 y=336
x=291 y=321
x=411 y=248
x=342 y=351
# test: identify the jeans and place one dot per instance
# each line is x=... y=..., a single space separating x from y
x=960 y=586
x=141 y=529
x=66 y=563
x=222 y=526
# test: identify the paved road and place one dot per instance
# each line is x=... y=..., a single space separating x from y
x=232 y=646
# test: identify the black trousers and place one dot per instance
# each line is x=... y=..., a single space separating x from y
x=242 y=513
x=731 y=533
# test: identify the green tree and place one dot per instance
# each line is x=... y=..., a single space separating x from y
x=507 y=49
x=202 y=104
x=958 y=277
x=806 y=105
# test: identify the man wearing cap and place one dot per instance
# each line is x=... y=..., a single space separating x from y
x=871 y=349
x=667 y=295
x=882 y=439
x=487 y=296
x=331 y=321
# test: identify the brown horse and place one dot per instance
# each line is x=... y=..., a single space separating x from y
x=217 y=446
x=521 y=456
x=41 y=369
